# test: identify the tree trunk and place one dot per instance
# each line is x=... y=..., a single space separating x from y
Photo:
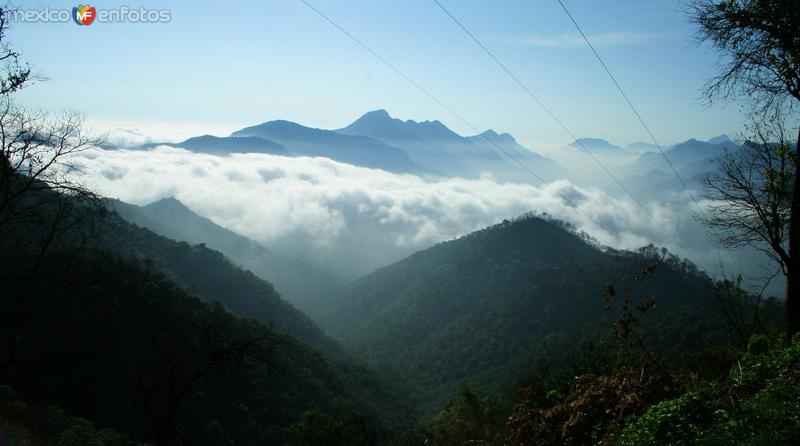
x=793 y=282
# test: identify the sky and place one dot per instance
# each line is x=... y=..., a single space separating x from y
x=219 y=66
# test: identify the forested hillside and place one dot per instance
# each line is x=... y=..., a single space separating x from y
x=305 y=285
x=163 y=342
x=477 y=309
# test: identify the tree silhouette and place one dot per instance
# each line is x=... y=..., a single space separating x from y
x=759 y=45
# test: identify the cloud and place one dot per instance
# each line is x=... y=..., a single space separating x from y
x=133 y=133
x=353 y=218
x=612 y=38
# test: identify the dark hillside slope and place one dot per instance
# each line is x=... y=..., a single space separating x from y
x=136 y=332
x=474 y=307
x=119 y=344
x=303 y=284
x=212 y=277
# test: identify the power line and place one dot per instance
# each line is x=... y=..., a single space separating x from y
x=465 y=122
x=638 y=116
x=563 y=127
x=419 y=87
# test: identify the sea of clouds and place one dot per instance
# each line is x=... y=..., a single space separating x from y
x=354 y=219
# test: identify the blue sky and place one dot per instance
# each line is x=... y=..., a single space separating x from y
x=220 y=65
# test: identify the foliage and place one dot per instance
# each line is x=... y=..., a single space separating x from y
x=305 y=285
x=484 y=308
x=22 y=423
x=595 y=407
x=467 y=420
x=758 y=404
x=758 y=42
x=211 y=276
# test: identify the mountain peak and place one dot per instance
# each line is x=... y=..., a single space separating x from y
x=720 y=139
x=376 y=114
x=504 y=138
x=596 y=142
x=168 y=203
x=380 y=125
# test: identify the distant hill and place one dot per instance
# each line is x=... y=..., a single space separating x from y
x=225 y=145
x=598 y=146
x=721 y=139
x=380 y=125
x=475 y=309
x=683 y=156
x=353 y=149
x=641 y=147
x=303 y=284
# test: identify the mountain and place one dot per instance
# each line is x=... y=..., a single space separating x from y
x=212 y=277
x=692 y=156
x=598 y=146
x=380 y=125
x=165 y=342
x=353 y=149
x=303 y=284
x=377 y=140
x=438 y=148
x=641 y=147
x=225 y=145
x=424 y=141
x=134 y=352
x=721 y=139
x=477 y=309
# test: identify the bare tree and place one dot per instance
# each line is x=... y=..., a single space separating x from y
x=759 y=45
x=41 y=197
x=750 y=193
x=46 y=214
x=16 y=73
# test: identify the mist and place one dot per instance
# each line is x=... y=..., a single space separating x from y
x=324 y=211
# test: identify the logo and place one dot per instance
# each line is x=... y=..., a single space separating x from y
x=84 y=14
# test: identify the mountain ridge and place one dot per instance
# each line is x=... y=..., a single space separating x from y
x=301 y=283
x=470 y=308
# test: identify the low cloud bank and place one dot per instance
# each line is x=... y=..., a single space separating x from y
x=349 y=218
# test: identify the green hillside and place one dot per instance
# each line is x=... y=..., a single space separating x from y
x=305 y=285
x=478 y=309
x=143 y=339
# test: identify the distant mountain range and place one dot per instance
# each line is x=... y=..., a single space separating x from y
x=358 y=150
x=377 y=140
x=430 y=149
x=602 y=147
x=598 y=146
x=653 y=176
x=682 y=155
x=433 y=145
x=223 y=145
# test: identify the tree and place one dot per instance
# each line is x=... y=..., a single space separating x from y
x=759 y=43
x=46 y=215
x=38 y=186
x=16 y=73
x=750 y=196
x=468 y=420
